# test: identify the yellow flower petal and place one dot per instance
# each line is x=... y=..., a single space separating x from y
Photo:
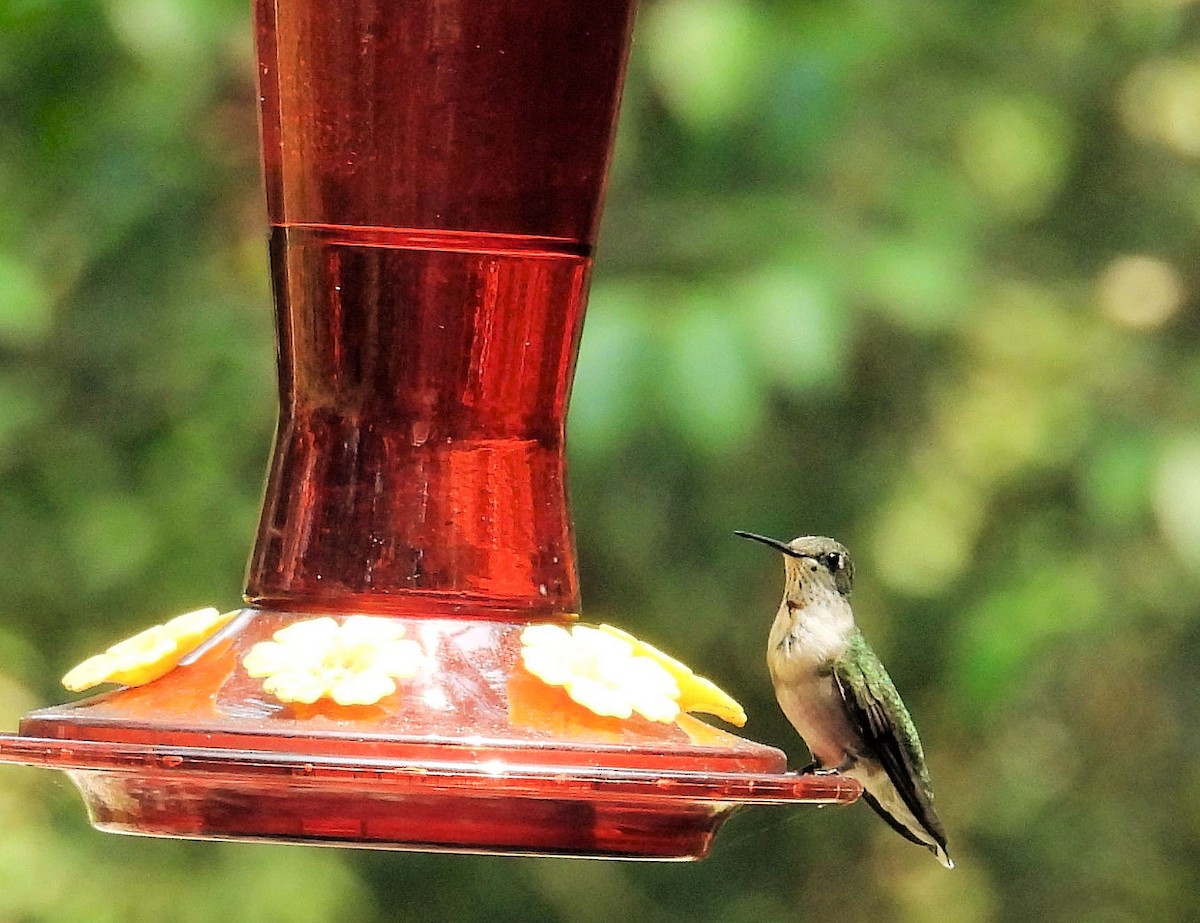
x=295 y=687
x=649 y=676
x=644 y=649
x=92 y=672
x=550 y=669
x=653 y=691
x=141 y=673
x=608 y=672
x=546 y=653
x=656 y=708
x=354 y=662
x=362 y=688
x=601 y=698
x=696 y=694
x=601 y=645
x=319 y=632
x=147 y=646
x=268 y=657
x=191 y=628
x=149 y=654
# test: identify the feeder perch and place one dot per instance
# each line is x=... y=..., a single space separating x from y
x=434 y=174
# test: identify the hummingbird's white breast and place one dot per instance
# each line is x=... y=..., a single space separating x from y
x=812 y=630
x=815 y=622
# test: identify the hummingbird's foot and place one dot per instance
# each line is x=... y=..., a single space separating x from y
x=816 y=769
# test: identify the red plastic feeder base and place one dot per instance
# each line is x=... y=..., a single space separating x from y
x=473 y=755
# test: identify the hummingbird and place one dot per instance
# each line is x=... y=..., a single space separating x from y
x=836 y=693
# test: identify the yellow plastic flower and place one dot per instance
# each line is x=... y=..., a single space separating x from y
x=696 y=694
x=148 y=654
x=356 y=662
x=613 y=674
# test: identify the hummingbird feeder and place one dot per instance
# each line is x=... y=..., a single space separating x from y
x=434 y=174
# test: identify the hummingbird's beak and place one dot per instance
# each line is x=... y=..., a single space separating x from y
x=770 y=542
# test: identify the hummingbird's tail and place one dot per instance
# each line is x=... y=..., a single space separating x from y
x=914 y=830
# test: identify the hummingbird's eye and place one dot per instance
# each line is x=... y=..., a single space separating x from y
x=833 y=561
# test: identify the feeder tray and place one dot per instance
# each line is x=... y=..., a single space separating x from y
x=477 y=755
x=434 y=173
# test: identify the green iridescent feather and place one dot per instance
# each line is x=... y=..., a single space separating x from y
x=879 y=713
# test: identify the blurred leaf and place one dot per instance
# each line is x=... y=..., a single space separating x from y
x=712 y=392
x=707 y=57
x=1116 y=479
x=802 y=336
x=1023 y=621
x=25 y=316
x=922 y=284
x=1017 y=152
x=112 y=536
x=1177 y=496
x=618 y=345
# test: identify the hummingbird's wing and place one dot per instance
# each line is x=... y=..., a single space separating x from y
x=876 y=710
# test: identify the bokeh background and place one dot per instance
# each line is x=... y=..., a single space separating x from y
x=921 y=274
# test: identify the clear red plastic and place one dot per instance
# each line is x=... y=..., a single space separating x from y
x=434 y=175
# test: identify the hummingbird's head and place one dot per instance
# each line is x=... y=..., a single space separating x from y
x=813 y=559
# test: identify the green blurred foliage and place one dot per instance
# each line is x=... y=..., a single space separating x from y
x=921 y=275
